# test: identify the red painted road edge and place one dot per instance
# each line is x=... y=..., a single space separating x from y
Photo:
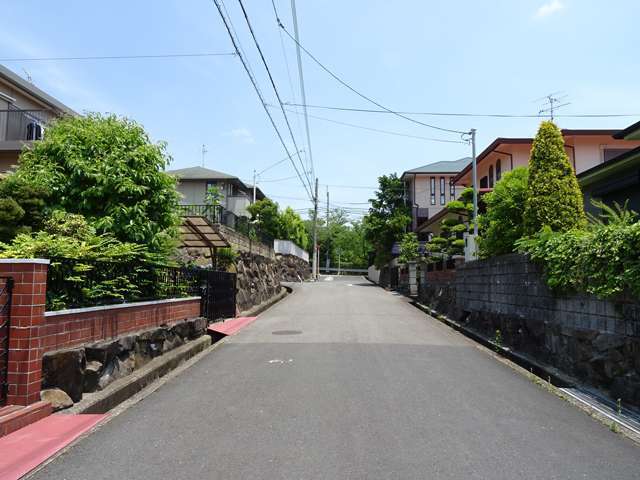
x=232 y=326
x=25 y=449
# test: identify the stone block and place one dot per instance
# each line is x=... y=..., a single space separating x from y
x=64 y=369
x=58 y=399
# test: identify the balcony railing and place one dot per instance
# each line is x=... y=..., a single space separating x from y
x=218 y=214
x=23 y=124
x=213 y=213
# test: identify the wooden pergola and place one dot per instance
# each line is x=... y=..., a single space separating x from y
x=196 y=232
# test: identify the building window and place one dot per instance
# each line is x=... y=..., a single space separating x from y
x=452 y=189
x=443 y=191
x=432 y=191
x=484 y=182
x=611 y=153
x=498 y=170
x=491 y=176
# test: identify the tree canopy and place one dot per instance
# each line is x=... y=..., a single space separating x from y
x=502 y=224
x=284 y=225
x=107 y=169
x=388 y=217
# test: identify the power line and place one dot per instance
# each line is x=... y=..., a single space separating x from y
x=388 y=132
x=351 y=186
x=257 y=89
x=273 y=84
x=460 y=114
x=342 y=82
x=303 y=93
x=118 y=57
x=271 y=180
x=276 y=163
x=286 y=63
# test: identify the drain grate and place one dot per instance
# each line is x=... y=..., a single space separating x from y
x=286 y=332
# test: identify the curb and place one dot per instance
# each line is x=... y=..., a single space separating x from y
x=124 y=388
x=510 y=359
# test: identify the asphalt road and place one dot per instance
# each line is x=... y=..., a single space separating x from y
x=343 y=380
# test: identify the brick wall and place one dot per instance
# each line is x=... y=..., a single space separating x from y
x=438 y=276
x=68 y=328
x=24 y=372
x=33 y=332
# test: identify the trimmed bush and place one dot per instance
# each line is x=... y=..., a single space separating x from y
x=554 y=198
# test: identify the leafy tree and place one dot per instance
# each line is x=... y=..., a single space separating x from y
x=503 y=224
x=292 y=228
x=409 y=248
x=388 y=217
x=554 y=198
x=213 y=196
x=286 y=225
x=106 y=169
x=265 y=215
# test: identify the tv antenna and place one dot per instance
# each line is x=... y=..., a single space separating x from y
x=28 y=75
x=552 y=102
x=204 y=152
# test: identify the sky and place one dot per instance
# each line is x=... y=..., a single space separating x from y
x=489 y=57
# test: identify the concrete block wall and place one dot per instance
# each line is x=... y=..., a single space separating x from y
x=512 y=285
x=593 y=339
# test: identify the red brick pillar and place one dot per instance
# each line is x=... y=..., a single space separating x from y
x=27 y=317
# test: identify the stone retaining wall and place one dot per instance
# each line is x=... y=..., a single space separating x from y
x=69 y=373
x=257 y=280
x=259 y=277
x=292 y=268
x=596 y=340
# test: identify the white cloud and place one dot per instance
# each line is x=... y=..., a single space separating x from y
x=241 y=134
x=549 y=8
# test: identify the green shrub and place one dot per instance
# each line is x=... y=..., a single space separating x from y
x=503 y=224
x=602 y=260
x=409 y=248
x=22 y=207
x=554 y=198
x=450 y=222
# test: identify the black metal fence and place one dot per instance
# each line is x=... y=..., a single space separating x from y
x=73 y=283
x=213 y=213
x=5 y=321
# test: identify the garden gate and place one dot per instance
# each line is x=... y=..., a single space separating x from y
x=218 y=295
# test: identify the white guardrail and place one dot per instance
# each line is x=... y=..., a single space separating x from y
x=287 y=247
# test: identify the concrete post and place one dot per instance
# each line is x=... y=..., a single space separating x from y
x=27 y=318
x=413 y=278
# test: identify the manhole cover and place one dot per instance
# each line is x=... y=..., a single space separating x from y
x=287 y=332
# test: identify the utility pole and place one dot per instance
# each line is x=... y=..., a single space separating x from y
x=475 y=182
x=314 y=265
x=254 y=185
x=328 y=261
